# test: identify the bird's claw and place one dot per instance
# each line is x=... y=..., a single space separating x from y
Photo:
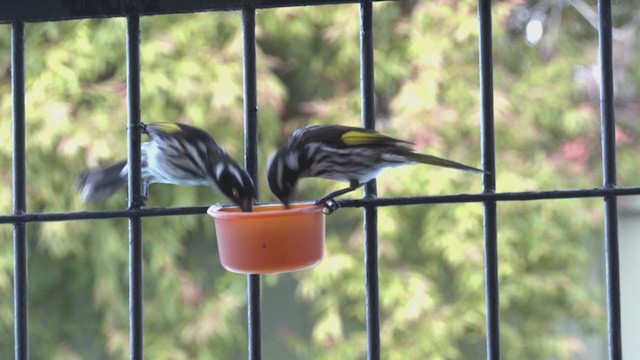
x=330 y=205
x=142 y=126
x=139 y=201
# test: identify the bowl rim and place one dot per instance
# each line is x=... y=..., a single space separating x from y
x=217 y=211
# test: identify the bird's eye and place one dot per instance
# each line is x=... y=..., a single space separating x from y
x=235 y=193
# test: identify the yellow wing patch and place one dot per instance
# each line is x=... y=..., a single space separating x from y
x=355 y=138
x=166 y=127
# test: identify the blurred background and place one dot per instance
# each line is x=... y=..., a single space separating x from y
x=551 y=270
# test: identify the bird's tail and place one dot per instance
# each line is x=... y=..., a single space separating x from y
x=436 y=161
x=99 y=184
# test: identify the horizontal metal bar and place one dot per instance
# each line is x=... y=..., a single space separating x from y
x=346 y=203
x=103 y=214
x=505 y=196
x=51 y=10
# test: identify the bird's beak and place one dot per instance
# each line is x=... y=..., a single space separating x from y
x=285 y=202
x=247 y=205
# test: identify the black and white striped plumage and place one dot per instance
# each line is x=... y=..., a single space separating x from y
x=176 y=154
x=341 y=153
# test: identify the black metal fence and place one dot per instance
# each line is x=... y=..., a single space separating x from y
x=20 y=12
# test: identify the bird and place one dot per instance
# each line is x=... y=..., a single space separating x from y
x=341 y=153
x=176 y=154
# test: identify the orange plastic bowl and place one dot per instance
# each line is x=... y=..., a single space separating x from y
x=270 y=239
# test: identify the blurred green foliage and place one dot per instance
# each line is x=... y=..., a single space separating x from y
x=431 y=257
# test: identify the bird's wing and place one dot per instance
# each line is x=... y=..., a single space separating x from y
x=162 y=128
x=188 y=133
x=346 y=136
x=360 y=137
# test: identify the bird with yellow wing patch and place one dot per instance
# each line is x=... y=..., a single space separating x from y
x=342 y=153
x=176 y=154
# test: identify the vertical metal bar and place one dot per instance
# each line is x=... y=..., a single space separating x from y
x=251 y=164
x=135 y=194
x=609 y=178
x=20 y=290
x=250 y=93
x=367 y=90
x=489 y=182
